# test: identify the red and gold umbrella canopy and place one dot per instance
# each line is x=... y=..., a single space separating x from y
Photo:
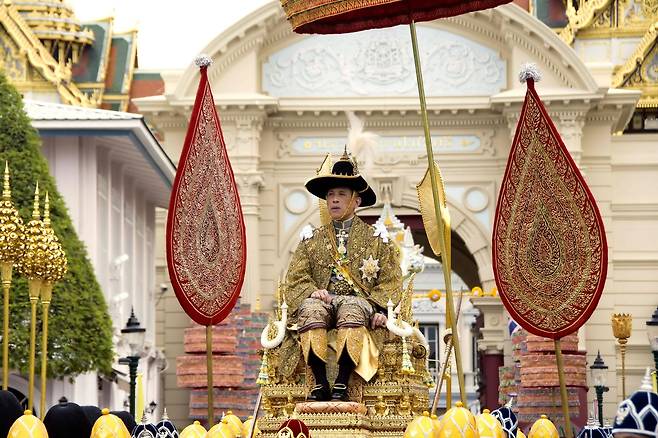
x=343 y=16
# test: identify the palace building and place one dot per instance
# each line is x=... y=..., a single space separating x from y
x=282 y=96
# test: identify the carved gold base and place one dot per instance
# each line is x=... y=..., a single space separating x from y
x=334 y=425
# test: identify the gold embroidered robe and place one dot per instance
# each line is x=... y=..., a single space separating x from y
x=311 y=266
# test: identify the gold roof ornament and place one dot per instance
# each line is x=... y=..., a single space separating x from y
x=423 y=426
x=489 y=426
x=458 y=422
x=194 y=430
x=56 y=25
x=543 y=428
x=582 y=17
x=27 y=426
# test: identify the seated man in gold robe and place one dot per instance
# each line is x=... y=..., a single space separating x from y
x=342 y=276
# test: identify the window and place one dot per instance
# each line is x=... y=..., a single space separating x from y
x=431 y=333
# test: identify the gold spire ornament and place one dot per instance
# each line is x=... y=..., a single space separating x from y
x=33 y=266
x=263 y=374
x=12 y=247
x=622 y=324
x=407 y=366
x=55 y=270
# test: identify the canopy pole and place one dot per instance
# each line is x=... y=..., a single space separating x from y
x=450 y=304
x=563 y=389
x=211 y=404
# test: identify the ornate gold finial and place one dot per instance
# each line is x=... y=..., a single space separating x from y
x=263 y=374
x=35 y=211
x=6 y=190
x=622 y=325
x=46 y=211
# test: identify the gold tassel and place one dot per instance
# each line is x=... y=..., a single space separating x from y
x=407 y=367
x=263 y=375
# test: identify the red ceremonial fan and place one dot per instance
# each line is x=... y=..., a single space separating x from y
x=206 y=245
x=549 y=245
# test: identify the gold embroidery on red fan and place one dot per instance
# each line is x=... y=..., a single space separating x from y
x=549 y=243
x=205 y=233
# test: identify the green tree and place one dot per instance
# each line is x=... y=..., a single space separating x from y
x=80 y=329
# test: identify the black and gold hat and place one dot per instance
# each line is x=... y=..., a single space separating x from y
x=344 y=173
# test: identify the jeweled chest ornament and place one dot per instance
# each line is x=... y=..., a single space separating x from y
x=369 y=268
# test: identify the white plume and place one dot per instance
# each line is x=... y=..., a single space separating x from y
x=360 y=143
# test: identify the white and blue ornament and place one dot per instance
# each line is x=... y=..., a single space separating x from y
x=144 y=429
x=638 y=414
x=508 y=420
x=166 y=428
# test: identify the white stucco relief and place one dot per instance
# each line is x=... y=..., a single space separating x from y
x=380 y=63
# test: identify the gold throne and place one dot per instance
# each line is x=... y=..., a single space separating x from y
x=381 y=407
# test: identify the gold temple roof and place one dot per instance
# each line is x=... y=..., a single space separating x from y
x=53 y=20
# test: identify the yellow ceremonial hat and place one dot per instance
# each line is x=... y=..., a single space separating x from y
x=489 y=426
x=458 y=422
x=109 y=426
x=247 y=424
x=27 y=426
x=194 y=430
x=422 y=427
x=222 y=430
x=520 y=434
x=436 y=422
x=543 y=428
x=234 y=421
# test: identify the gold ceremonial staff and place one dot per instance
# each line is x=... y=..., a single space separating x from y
x=444 y=243
x=54 y=270
x=32 y=267
x=12 y=247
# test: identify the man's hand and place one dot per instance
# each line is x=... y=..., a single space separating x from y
x=323 y=295
x=378 y=320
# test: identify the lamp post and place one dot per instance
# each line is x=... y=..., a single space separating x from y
x=599 y=371
x=652 y=332
x=622 y=325
x=134 y=335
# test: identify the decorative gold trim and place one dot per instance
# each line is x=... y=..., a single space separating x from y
x=635 y=60
x=581 y=18
x=40 y=59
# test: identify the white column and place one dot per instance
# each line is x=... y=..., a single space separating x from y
x=570 y=126
x=244 y=151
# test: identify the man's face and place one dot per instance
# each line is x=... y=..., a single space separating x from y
x=339 y=205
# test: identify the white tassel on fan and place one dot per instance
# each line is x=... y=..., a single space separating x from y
x=361 y=144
